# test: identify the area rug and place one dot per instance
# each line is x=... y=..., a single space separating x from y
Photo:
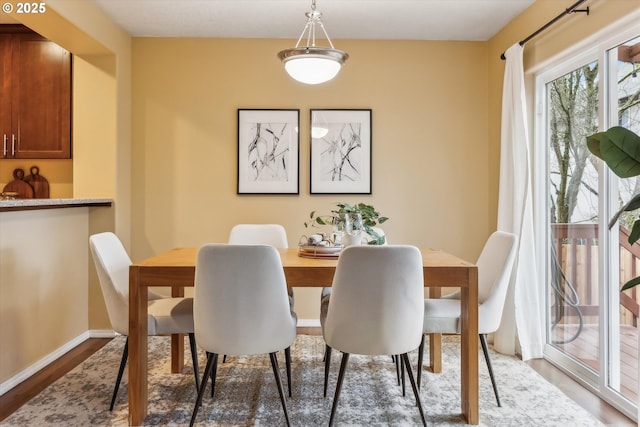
x=246 y=394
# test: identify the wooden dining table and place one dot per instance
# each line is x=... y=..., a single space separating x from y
x=176 y=269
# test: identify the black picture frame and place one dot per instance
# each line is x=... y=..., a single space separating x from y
x=268 y=151
x=341 y=155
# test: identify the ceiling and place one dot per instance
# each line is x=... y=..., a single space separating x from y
x=343 y=19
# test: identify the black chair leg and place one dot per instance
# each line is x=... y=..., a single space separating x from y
x=123 y=363
x=194 y=359
x=343 y=368
x=402 y=375
x=212 y=360
x=485 y=350
x=420 y=358
x=213 y=375
x=416 y=392
x=287 y=359
x=327 y=365
x=396 y=359
x=276 y=373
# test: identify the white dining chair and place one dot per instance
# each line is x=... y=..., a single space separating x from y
x=264 y=234
x=241 y=308
x=442 y=315
x=376 y=308
x=166 y=315
x=258 y=234
x=325 y=294
x=261 y=234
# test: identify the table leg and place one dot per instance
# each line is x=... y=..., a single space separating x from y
x=177 y=341
x=138 y=296
x=469 y=348
x=435 y=340
x=435 y=353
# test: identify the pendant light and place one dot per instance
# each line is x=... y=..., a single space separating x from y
x=312 y=64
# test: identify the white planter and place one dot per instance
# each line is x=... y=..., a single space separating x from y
x=351 y=240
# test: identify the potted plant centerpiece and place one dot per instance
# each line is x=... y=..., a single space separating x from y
x=367 y=218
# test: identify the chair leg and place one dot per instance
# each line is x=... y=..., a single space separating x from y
x=396 y=359
x=276 y=373
x=402 y=375
x=287 y=359
x=212 y=360
x=123 y=363
x=485 y=350
x=416 y=392
x=343 y=368
x=420 y=358
x=327 y=365
x=194 y=359
x=213 y=375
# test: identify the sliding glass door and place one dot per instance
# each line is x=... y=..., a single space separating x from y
x=592 y=328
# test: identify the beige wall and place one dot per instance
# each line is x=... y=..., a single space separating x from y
x=430 y=172
x=43 y=284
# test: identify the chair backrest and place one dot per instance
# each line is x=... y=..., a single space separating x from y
x=494 y=273
x=259 y=234
x=112 y=264
x=376 y=304
x=241 y=304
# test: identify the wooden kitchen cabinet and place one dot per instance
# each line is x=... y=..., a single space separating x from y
x=35 y=112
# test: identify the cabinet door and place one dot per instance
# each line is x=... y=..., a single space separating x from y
x=5 y=95
x=41 y=98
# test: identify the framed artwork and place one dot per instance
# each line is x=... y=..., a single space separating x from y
x=268 y=151
x=340 y=152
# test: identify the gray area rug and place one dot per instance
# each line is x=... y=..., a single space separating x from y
x=246 y=394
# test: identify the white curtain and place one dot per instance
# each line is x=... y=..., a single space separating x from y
x=522 y=317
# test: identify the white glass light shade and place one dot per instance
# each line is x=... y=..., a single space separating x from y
x=312 y=70
x=312 y=65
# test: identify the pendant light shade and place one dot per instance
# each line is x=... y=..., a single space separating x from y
x=311 y=64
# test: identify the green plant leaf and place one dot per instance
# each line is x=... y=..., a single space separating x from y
x=635 y=233
x=631 y=205
x=593 y=144
x=630 y=284
x=620 y=149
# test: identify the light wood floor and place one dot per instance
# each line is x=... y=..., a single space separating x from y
x=22 y=393
x=586 y=348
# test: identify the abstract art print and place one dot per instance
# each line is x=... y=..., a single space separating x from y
x=340 y=152
x=268 y=151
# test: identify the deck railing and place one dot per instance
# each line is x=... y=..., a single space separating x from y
x=576 y=250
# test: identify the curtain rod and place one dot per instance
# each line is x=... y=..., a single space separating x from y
x=569 y=10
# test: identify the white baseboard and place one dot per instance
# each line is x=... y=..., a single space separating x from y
x=94 y=333
x=309 y=323
x=51 y=357
x=102 y=333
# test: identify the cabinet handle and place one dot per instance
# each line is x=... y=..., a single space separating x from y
x=4 y=148
x=13 y=145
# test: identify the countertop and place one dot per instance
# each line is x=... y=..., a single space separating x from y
x=32 y=204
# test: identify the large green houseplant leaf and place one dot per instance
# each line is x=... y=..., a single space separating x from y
x=620 y=149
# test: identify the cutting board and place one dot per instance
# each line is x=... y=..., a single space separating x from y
x=38 y=182
x=24 y=189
